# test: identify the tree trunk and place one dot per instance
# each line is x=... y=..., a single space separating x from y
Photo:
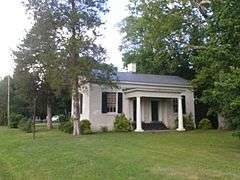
x=221 y=122
x=49 y=114
x=75 y=109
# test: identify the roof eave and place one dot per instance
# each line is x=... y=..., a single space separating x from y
x=155 y=84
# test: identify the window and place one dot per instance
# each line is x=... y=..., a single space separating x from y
x=175 y=105
x=110 y=100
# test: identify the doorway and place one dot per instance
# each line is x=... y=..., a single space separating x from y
x=154 y=111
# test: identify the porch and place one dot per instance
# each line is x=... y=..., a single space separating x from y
x=153 y=109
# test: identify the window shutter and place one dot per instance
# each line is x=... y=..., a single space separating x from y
x=184 y=104
x=81 y=103
x=120 y=102
x=104 y=102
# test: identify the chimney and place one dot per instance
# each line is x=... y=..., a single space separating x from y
x=132 y=67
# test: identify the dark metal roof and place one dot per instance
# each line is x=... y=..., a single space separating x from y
x=152 y=79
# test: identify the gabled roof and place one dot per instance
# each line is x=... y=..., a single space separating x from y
x=151 y=79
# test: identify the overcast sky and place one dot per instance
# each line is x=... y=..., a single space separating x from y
x=14 y=24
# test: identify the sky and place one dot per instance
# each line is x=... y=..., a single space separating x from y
x=15 y=23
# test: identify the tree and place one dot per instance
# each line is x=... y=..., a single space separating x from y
x=160 y=36
x=3 y=101
x=29 y=84
x=42 y=46
x=218 y=62
x=82 y=59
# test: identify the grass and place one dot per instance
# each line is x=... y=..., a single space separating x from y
x=171 y=155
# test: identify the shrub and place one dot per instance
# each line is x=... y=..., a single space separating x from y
x=62 y=119
x=205 y=124
x=237 y=134
x=104 y=129
x=122 y=124
x=188 y=123
x=3 y=118
x=15 y=119
x=25 y=125
x=85 y=127
x=67 y=127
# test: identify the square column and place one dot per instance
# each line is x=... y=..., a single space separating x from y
x=139 y=116
x=180 y=115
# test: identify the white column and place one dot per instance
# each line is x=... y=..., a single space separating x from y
x=180 y=115
x=139 y=117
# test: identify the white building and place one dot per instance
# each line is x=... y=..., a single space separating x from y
x=149 y=100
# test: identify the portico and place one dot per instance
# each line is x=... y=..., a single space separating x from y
x=154 y=93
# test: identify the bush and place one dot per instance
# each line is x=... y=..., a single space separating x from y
x=15 y=119
x=237 y=134
x=3 y=118
x=62 y=119
x=67 y=127
x=25 y=125
x=104 y=129
x=188 y=123
x=85 y=127
x=205 y=124
x=122 y=124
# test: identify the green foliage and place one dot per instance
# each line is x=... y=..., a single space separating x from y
x=85 y=126
x=218 y=62
x=205 y=124
x=67 y=127
x=3 y=118
x=3 y=101
x=15 y=119
x=65 y=124
x=188 y=122
x=122 y=124
x=62 y=118
x=158 y=36
x=237 y=134
x=25 y=125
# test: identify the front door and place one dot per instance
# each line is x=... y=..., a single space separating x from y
x=155 y=111
x=134 y=110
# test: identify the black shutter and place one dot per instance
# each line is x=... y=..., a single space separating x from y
x=81 y=103
x=184 y=104
x=120 y=102
x=104 y=102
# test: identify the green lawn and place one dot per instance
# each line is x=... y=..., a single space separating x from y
x=171 y=155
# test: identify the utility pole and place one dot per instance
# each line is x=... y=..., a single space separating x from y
x=8 y=103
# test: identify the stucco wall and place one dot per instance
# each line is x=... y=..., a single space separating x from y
x=86 y=102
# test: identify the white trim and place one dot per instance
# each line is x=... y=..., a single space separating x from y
x=154 y=84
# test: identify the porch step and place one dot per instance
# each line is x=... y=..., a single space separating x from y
x=152 y=126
